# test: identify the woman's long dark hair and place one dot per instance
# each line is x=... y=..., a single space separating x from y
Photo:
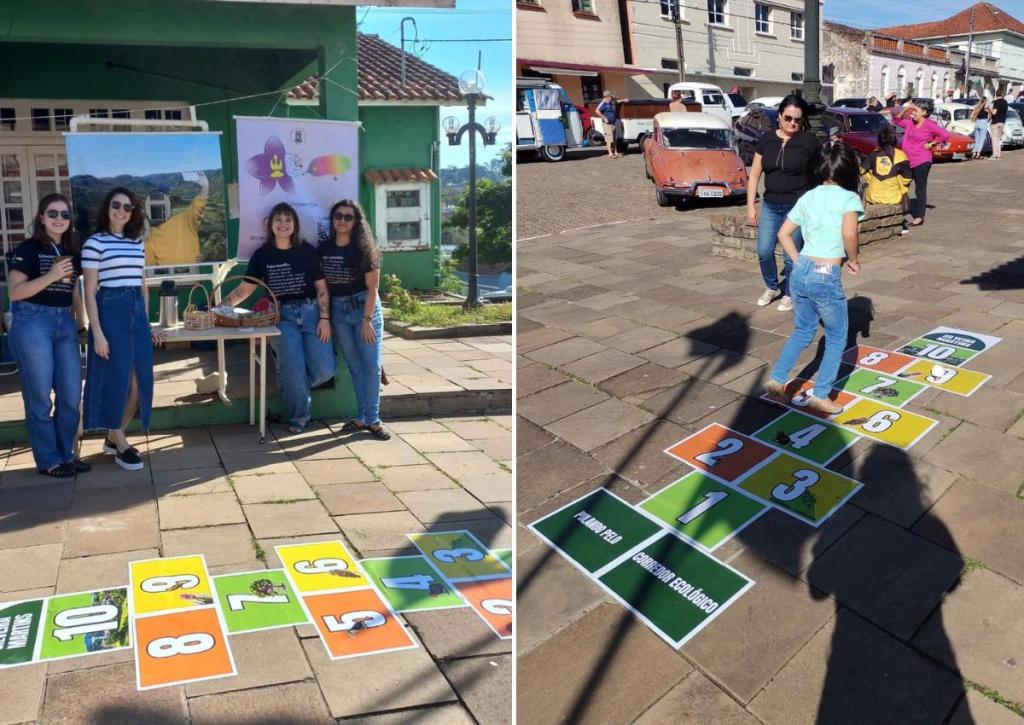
x=837 y=163
x=794 y=100
x=369 y=253
x=69 y=239
x=887 y=142
x=282 y=208
x=136 y=223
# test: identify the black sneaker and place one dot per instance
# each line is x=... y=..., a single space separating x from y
x=129 y=459
x=110 y=448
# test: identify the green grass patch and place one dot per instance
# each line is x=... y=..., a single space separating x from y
x=425 y=315
x=258 y=551
x=997 y=698
x=971 y=565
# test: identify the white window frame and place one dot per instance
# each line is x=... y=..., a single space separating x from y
x=721 y=8
x=419 y=214
x=885 y=81
x=901 y=82
x=796 y=29
x=667 y=5
x=767 y=19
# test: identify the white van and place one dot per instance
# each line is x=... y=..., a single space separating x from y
x=714 y=99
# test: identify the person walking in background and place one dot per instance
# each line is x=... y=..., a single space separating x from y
x=351 y=264
x=782 y=156
x=828 y=215
x=979 y=114
x=919 y=135
x=997 y=121
x=47 y=317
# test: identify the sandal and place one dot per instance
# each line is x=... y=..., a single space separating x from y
x=379 y=433
x=64 y=470
x=296 y=429
x=81 y=466
x=353 y=427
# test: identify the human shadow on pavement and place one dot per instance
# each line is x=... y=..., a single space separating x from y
x=1007 y=276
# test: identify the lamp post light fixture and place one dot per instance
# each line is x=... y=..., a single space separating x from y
x=471 y=85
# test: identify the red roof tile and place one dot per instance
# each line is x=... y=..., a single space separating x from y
x=987 y=17
x=390 y=176
x=380 y=77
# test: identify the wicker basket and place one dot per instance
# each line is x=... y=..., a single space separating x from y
x=256 y=319
x=196 y=319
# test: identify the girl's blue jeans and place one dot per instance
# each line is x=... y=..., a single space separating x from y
x=303 y=361
x=363 y=359
x=44 y=344
x=817 y=294
x=768 y=226
x=980 y=131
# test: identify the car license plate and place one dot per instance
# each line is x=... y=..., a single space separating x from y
x=711 y=193
x=959 y=157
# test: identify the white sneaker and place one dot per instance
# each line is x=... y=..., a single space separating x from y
x=767 y=297
x=785 y=304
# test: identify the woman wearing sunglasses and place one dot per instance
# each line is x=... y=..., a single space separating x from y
x=119 y=377
x=291 y=268
x=351 y=263
x=47 y=311
x=782 y=156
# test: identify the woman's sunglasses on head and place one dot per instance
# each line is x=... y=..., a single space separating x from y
x=53 y=214
x=126 y=207
x=341 y=216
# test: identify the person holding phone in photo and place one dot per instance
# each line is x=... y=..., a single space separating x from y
x=350 y=260
x=47 y=314
x=119 y=376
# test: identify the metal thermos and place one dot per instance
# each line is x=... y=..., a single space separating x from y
x=168 y=304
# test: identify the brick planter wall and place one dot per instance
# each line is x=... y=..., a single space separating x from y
x=736 y=239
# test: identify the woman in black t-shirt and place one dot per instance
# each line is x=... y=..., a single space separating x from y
x=47 y=313
x=351 y=263
x=782 y=156
x=291 y=268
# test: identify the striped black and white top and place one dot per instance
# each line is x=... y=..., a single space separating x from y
x=120 y=260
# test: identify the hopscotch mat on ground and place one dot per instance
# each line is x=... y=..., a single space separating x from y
x=179 y=620
x=656 y=557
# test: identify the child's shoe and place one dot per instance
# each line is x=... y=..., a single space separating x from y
x=823 y=405
x=775 y=389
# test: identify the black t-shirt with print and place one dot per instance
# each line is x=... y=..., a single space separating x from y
x=343 y=269
x=999 y=113
x=34 y=260
x=785 y=166
x=290 y=273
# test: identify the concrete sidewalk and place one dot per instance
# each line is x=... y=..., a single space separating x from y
x=215 y=491
x=905 y=606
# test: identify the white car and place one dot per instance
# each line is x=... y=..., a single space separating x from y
x=1013 y=131
x=955 y=117
x=713 y=99
x=761 y=102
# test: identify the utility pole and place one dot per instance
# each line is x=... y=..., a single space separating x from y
x=401 y=27
x=970 y=44
x=677 y=20
x=812 y=67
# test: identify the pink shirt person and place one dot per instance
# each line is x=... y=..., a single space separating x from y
x=915 y=137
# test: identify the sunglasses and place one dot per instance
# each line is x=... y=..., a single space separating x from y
x=342 y=216
x=126 y=207
x=792 y=119
x=53 y=214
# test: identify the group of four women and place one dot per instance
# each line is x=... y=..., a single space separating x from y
x=325 y=295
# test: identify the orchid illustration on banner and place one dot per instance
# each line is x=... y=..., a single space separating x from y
x=269 y=167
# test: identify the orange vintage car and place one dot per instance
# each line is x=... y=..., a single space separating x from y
x=690 y=156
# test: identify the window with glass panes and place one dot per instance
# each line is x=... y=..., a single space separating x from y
x=796 y=26
x=762 y=18
x=716 y=12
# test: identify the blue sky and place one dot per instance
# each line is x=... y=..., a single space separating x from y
x=885 y=13
x=469 y=19
x=111 y=154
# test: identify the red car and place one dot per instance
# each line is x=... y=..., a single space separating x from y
x=585 y=118
x=859 y=129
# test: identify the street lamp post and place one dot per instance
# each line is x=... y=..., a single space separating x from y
x=471 y=85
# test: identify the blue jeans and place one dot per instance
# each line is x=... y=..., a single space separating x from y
x=303 y=361
x=980 y=131
x=816 y=296
x=768 y=226
x=364 y=360
x=122 y=317
x=44 y=343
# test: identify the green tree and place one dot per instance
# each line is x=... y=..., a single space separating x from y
x=493 y=216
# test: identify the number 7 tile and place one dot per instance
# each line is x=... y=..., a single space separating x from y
x=721 y=452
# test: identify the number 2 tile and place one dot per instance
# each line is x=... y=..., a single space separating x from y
x=721 y=452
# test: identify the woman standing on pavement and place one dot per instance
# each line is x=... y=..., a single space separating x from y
x=47 y=313
x=919 y=135
x=351 y=263
x=980 y=117
x=782 y=156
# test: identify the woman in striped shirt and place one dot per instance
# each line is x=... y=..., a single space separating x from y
x=119 y=378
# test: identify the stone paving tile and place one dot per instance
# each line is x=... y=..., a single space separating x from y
x=536 y=339
x=209 y=509
x=375 y=453
x=476 y=429
x=35 y=499
x=437 y=442
x=549 y=405
x=414 y=478
x=603 y=365
x=32 y=529
x=275 y=487
x=978 y=631
x=565 y=351
x=165 y=451
x=891 y=577
x=21 y=691
x=696 y=701
x=444 y=506
x=108 y=695
x=600 y=424
x=255 y=668
x=288 y=519
x=467 y=466
x=497 y=449
x=639 y=456
x=688 y=402
x=721 y=367
x=89 y=573
x=191 y=482
x=550 y=470
x=253 y=464
x=490 y=531
x=221 y=545
x=415 y=425
x=298 y=703
x=112 y=520
x=642 y=382
x=676 y=353
x=323 y=472
x=436 y=715
x=386 y=681
x=604 y=646
x=852 y=672
x=607 y=327
x=987 y=407
x=639 y=338
x=379 y=531
x=485 y=685
x=357 y=498
x=453 y=633
x=980 y=454
x=954 y=524
x=22 y=595
x=29 y=567
x=976 y=708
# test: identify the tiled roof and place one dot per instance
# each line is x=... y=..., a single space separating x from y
x=987 y=17
x=390 y=176
x=380 y=77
